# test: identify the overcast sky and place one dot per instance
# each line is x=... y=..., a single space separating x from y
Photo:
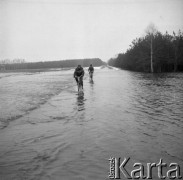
x=41 y=30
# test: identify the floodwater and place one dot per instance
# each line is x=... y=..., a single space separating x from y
x=48 y=131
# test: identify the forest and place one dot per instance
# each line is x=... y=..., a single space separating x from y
x=155 y=52
x=12 y=65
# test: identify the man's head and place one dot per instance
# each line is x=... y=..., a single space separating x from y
x=79 y=66
x=90 y=64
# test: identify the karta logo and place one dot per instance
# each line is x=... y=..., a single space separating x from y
x=141 y=171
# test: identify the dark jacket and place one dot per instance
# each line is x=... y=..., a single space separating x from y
x=91 y=69
x=79 y=71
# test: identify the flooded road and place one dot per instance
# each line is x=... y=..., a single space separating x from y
x=47 y=131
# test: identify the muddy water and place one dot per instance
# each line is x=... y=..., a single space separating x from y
x=48 y=131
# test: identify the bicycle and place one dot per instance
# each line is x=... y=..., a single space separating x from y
x=80 y=84
x=91 y=75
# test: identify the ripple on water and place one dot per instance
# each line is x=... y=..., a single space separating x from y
x=71 y=136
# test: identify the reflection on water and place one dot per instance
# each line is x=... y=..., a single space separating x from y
x=91 y=81
x=52 y=132
x=91 y=84
x=80 y=101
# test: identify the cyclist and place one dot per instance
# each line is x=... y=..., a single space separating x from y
x=79 y=72
x=91 y=70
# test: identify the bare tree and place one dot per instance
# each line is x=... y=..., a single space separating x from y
x=151 y=30
x=5 y=61
x=18 y=61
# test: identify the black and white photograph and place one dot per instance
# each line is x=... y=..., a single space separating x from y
x=91 y=89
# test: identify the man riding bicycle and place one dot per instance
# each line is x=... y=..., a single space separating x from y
x=91 y=70
x=79 y=73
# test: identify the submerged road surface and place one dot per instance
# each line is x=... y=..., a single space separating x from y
x=49 y=132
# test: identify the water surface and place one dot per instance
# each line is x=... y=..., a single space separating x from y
x=48 y=131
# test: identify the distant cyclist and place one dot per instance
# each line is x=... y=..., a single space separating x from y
x=79 y=73
x=91 y=71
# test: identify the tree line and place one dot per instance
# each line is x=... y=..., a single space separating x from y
x=13 y=61
x=52 y=64
x=155 y=52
